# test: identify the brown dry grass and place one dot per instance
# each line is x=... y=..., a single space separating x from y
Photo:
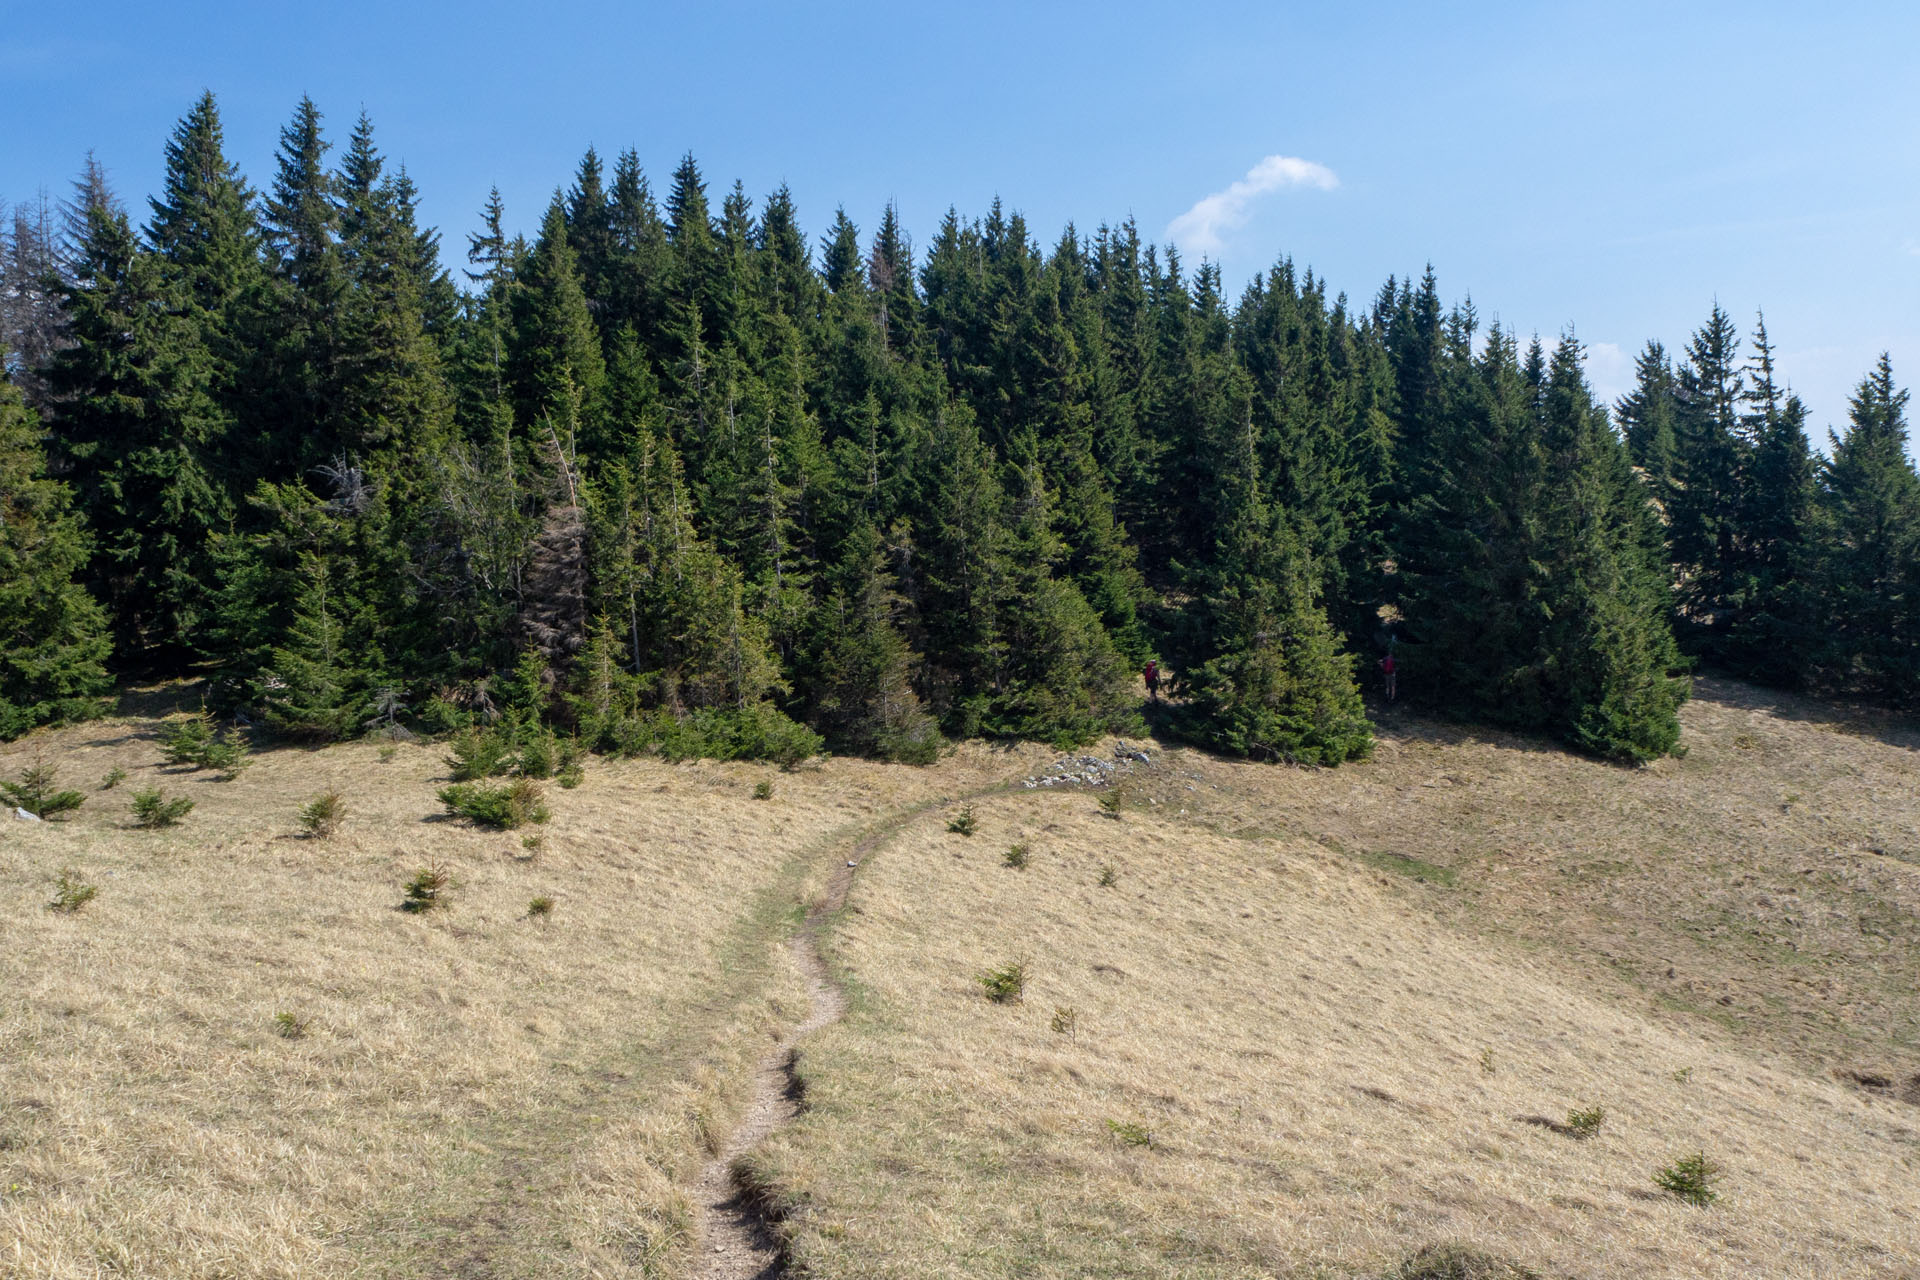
x=476 y=1094
x=1294 y=988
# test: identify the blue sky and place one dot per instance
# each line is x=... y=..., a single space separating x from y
x=1611 y=167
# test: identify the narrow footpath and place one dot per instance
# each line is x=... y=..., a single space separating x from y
x=737 y=1241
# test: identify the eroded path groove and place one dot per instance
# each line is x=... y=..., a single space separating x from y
x=737 y=1241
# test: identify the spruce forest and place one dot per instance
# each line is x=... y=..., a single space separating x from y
x=681 y=475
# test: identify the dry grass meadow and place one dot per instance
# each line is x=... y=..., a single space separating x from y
x=476 y=1092
x=1317 y=1021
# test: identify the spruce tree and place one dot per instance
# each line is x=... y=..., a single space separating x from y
x=205 y=237
x=1264 y=674
x=1607 y=651
x=1645 y=415
x=1061 y=679
x=297 y=375
x=53 y=636
x=556 y=358
x=314 y=686
x=865 y=702
x=1772 y=634
x=1868 y=577
x=140 y=433
x=1711 y=458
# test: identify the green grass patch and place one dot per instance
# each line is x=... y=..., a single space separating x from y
x=1415 y=868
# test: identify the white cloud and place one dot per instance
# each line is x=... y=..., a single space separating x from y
x=1200 y=228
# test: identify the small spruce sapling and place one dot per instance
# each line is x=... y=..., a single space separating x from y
x=1006 y=983
x=1692 y=1178
x=428 y=890
x=1584 y=1123
x=153 y=808
x=37 y=793
x=322 y=815
x=70 y=893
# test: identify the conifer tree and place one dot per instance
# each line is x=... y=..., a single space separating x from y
x=696 y=267
x=391 y=394
x=1264 y=674
x=313 y=688
x=53 y=636
x=962 y=541
x=635 y=289
x=140 y=428
x=589 y=218
x=553 y=605
x=33 y=326
x=556 y=354
x=1062 y=680
x=1645 y=415
x=297 y=376
x=1868 y=577
x=840 y=264
x=865 y=701
x=1607 y=652
x=1711 y=457
x=1771 y=635
x=204 y=234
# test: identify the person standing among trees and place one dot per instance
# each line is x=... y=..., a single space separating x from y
x=1152 y=676
x=1387 y=666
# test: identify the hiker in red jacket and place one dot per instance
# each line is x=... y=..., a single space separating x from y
x=1386 y=667
x=1152 y=676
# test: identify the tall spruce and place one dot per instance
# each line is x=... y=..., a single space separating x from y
x=140 y=434
x=1711 y=458
x=1265 y=676
x=1869 y=575
x=53 y=635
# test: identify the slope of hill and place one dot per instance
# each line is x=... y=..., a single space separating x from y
x=1317 y=1020
x=1352 y=1010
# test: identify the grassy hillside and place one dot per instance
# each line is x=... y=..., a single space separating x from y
x=1349 y=1008
x=474 y=1092
x=1315 y=1022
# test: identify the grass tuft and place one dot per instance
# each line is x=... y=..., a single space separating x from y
x=1018 y=856
x=1456 y=1262
x=1131 y=1133
x=963 y=823
x=290 y=1026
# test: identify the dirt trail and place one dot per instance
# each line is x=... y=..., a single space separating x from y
x=737 y=1240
